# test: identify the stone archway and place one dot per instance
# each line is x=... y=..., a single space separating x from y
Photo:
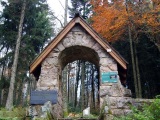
x=77 y=44
x=79 y=41
x=72 y=87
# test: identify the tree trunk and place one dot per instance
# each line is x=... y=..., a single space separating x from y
x=133 y=61
x=138 y=74
x=87 y=88
x=64 y=93
x=93 y=88
x=2 y=95
x=68 y=82
x=77 y=82
x=132 y=52
x=9 y=103
x=65 y=12
x=82 y=82
x=2 y=76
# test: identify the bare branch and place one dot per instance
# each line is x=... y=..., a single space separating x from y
x=61 y=4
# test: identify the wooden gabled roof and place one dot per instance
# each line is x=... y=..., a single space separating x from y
x=77 y=20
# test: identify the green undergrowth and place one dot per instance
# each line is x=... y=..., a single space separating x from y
x=79 y=115
x=17 y=113
x=148 y=112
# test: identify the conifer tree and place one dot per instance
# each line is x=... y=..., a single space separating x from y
x=9 y=103
x=36 y=33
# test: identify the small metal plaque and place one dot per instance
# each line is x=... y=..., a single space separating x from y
x=109 y=77
x=40 y=97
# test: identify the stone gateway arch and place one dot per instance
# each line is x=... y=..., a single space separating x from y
x=79 y=41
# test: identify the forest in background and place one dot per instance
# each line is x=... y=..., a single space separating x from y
x=132 y=27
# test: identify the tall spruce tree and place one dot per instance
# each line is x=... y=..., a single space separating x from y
x=36 y=32
x=9 y=102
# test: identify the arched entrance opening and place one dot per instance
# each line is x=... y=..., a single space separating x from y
x=79 y=79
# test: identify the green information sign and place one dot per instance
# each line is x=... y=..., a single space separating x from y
x=109 y=77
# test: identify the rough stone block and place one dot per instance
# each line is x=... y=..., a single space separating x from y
x=101 y=102
x=44 y=72
x=113 y=102
x=43 y=88
x=67 y=42
x=104 y=87
x=105 y=69
x=53 y=71
x=49 y=61
x=117 y=112
x=53 y=54
x=104 y=90
x=106 y=84
x=88 y=42
x=102 y=53
x=104 y=61
x=47 y=67
x=60 y=47
x=55 y=50
x=69 y=35
x=47 y=107
x=47 y=83
x=96 y=47
x=44 y=63
x=77 y=39
x=107 y=100
x=115 y=90
x=126 y=92
x=121 y=102
x=127 y=111
x=91 y=42
x=112 y=67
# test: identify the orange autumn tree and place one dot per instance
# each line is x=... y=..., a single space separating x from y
x=151 y=21
x=110 y=19
x=114 y=21
x=118 y=20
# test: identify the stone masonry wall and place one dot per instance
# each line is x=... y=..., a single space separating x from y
x=113 y=95
x=115 y=99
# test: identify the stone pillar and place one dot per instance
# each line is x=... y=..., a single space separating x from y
x=49 y=80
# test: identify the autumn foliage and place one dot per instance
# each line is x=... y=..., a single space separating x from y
x=111 y=19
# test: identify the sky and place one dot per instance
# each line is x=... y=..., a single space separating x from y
x=57 y=6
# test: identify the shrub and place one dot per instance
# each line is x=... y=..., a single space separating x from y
x=148 y=112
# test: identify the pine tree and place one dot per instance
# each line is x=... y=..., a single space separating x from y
x=9 y=103
x=36 y=33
